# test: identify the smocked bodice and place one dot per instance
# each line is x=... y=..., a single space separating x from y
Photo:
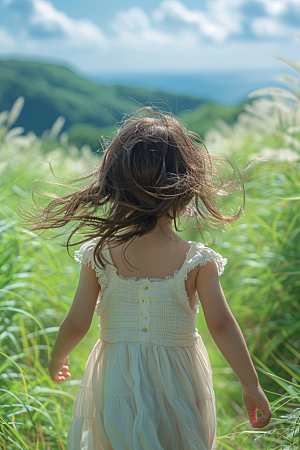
x=148 y=310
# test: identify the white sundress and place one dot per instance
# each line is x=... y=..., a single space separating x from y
x=147 y=383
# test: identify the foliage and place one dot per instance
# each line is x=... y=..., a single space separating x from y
x=51 y=91
x=263 y=248
x=90 y=110
x=205 y=116
x=34 y=298
x=89 y=135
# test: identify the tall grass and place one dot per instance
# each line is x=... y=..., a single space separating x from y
x=37 y=284
x=261 y=282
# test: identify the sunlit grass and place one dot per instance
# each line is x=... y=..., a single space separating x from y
x=261 y=283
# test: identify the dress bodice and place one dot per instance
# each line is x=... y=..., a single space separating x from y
x=149 y=309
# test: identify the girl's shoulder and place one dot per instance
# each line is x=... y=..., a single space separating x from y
x=85 y=254
x=202 y=254
x=197 y=255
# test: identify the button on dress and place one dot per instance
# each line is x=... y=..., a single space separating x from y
x=147 y=383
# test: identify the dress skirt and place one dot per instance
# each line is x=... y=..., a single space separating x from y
x=142 y=396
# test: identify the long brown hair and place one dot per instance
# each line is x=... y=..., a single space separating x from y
x=153 y=168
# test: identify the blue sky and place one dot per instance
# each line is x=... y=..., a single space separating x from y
x=157 y=36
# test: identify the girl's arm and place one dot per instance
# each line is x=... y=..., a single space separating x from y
x=229 y=338
x=76 y=323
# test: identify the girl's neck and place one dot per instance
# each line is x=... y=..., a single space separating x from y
x=162 y=232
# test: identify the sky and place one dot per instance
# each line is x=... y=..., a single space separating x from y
x=134 y=36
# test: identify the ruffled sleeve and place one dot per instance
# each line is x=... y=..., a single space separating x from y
x=85 y=255
x=206 y=254
x=198 y=256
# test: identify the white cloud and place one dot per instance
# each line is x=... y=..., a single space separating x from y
x=224 y=18
x=135 y=19
x=134 y=27
x=7 y=41
x=221 y=20
x=171 y=37
x=44 y=20
x=267 y=26
x=277 y=7
x=82 y=32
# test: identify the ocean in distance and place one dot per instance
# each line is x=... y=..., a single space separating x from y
x=226 y=87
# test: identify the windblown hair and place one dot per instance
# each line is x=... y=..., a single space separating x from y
x=153 y=168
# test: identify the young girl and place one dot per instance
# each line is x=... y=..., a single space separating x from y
x=148 y=381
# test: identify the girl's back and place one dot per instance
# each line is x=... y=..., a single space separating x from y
x=147 y=383
x=159 y=257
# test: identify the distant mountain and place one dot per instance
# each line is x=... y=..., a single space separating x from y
x=51 y=91
x=228 y=87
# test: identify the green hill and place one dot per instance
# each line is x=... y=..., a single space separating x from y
x=90 y=109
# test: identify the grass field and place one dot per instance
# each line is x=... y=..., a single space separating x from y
x=261 y=280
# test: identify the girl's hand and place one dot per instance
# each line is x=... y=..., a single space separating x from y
x=56 y=369
x=254 y=398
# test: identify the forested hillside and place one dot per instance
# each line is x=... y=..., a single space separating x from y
x=90 y=109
